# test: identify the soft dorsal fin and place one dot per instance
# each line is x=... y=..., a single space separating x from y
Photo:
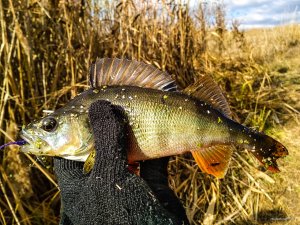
x=114 y=71
x=214 y=160
x=207 y=90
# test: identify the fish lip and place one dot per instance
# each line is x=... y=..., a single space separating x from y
x=28 y=147
x=26 y=137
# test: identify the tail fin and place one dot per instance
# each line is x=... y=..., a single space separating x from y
x=267 y=150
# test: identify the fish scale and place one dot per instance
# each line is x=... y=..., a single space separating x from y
x=163 y=126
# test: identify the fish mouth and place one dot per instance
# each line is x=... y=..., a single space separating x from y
x=29 y=141
x=25 y=138
x=33 y=145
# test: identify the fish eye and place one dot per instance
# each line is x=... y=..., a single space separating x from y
x=49 y=124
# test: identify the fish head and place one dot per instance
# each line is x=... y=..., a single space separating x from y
x=65 y=133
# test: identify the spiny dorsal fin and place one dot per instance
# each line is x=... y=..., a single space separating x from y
x=214 y=160
x=115 y=71
x=207 y=90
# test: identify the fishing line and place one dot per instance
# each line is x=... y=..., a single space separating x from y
x=21 y=142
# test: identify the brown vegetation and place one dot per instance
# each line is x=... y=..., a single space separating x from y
x=47 y=47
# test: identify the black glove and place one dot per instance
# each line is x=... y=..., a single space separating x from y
x=110 y=194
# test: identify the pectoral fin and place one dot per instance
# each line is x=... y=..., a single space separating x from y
x=214 y=160
x=89 y=163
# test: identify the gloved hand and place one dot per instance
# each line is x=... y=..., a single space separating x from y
x=110 y=194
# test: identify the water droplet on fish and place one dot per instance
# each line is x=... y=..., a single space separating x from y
x=180 y=108
x=208 y=112
x=165 y=96
x=130 y=97
x=116 y=96
x=123 y=96
x=186 y=100
x=123 y=89
x=73 y=106
x=81 y=106
x=96 y=91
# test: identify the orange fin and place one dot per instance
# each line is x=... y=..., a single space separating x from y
x=114 y=71
x=89 y=162
x=207 y=90
x=214 y=160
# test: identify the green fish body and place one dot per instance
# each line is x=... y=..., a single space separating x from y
x=161 y=123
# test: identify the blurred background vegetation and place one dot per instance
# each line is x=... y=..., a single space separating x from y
x=47 y=47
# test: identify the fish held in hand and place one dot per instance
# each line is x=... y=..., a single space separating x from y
x=161 y=120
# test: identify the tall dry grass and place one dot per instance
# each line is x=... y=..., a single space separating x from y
x=46 y=49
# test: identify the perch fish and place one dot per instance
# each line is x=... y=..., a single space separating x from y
x=162 y=121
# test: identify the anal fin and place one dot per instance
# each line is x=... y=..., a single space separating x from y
x=214 y=159
x=89 y=162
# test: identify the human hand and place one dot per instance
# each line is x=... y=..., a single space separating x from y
x=110 y=194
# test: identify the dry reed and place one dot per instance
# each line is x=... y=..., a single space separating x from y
x=46 y=49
